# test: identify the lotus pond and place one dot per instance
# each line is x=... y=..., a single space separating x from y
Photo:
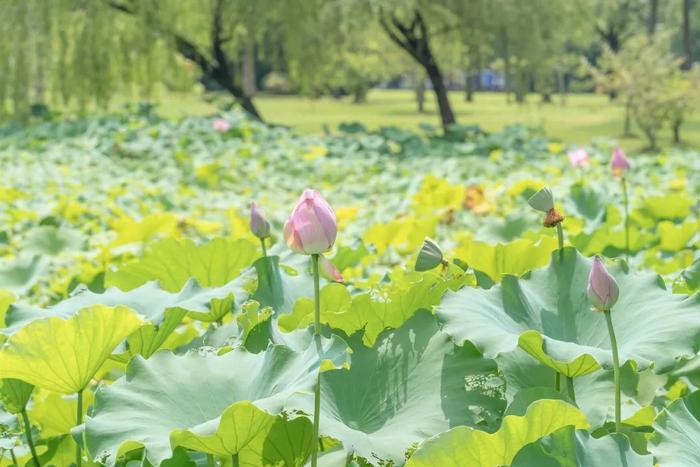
x=143 y=324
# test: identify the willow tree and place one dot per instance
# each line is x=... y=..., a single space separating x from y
x=86 y=52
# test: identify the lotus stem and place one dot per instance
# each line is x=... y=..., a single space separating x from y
x=14 y=458
x=625 y=199
x=616 y=369
x=570 y=388
x=30 y=440
x=317 y=334
x=78 y=421
x=210 y=460
x=234 y=460
x=557 y=381
x=264 y=249
x=560 y=237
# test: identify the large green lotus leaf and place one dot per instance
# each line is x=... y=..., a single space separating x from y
x=51 y=240
x=504 y=229
x=258 y=437
x=174 y=261
x=676 y=237
x=279 y=287
x=63 y=355
x=569 y=447
x=386 y=306
x=668 y=206
x=516 y=257
x=676 y=438
x=14 y=394
x=549 y=316
x=610 y=240
x=466 y=447
x=21 y=274
x=149 y=300
x=412 y=384
x=528 y=379
x=55 y=413
x=588 y=204
x=164 y=311
x=190 y=392
x=691 y=275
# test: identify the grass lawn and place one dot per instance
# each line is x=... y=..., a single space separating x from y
x=582 y=118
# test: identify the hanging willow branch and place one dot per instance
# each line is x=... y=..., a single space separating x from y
x=220 y=67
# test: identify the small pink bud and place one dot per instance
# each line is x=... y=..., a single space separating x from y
x=258 y=224
x=328 y=270
x=603 y=291
x=579 y=158
x=311 y=228
x=620 y=164
x=221 y=125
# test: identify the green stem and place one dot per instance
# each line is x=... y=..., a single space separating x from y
x=557 y=381
x=14 y=458
x=210 y=460
x=28 y=434
x=317 y=296
x=264 y=249
x=570 y=388
x=627 y=219
x=560 y=237
x=78 y=421
x=317 y=334
x=234 y=460
x=616 y=369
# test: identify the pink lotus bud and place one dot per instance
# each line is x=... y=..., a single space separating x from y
x=620 y=164
x=311 y=228
x=603 y=291
x=221 y=125
x=258 y=224
x=579 y=158
x=328 y=270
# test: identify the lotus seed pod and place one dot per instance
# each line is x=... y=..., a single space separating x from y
x=429 y=256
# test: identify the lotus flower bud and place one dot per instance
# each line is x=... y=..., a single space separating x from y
x=543 y=201
x=258 y=224
x=603 y=291
x=579 y=158
x=311 y=228
x=429 y=256
x=221 y=125
x=620 y=164
x=328 y=270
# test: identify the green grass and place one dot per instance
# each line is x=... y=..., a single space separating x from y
x=582 y=118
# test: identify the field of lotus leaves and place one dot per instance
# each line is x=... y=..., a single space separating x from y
x=467 y=299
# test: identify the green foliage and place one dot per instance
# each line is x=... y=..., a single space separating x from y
x=145 y=292
x=648 y=77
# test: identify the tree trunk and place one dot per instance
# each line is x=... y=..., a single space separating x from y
x=676 y=128
x=414 y=39
x=561 y=86
x=653 y=17
x=469 y=86
x=627 y=130
x=359 y=94
x=248 y=69
x=687 y=35
x=420 y=92
x=436 y=79
x=507 y=75
x=219 y=69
